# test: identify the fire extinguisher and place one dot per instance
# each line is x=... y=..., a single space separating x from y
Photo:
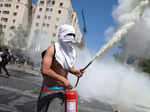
x=71 y=101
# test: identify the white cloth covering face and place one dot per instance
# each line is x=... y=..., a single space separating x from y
x=65 y=52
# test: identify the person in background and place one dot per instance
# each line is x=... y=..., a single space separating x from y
x=5 y=59
x=1 y=52
x=58 y=61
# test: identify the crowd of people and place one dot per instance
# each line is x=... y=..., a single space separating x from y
x=8 y=57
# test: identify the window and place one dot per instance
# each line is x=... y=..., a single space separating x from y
x=4 y=19
x=54 y=34
x=38 y=16
x=49 y=17
x=48 y=2
x=1 y=5
x=59 y=11
x=15 y=13
x=47 y=9
x=12 y=27
x=53 y=2
x=37 y=24
x=45 y=17
x=72 y=15
x=5 y=12
x=47 y=25
x=14 y=21
x=7 y=5
x=42 y=2
x=51 y=9
x=17 y=6
x=40 y=9
x=61 y=4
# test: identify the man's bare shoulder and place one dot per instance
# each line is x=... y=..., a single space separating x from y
x=50 y=50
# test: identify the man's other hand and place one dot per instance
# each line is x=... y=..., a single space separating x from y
x=67 y=84
x=79 y=72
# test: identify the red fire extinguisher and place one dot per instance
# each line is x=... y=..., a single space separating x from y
x=71 y=101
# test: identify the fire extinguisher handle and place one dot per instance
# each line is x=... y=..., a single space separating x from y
x=77 y=82
x=83 y=70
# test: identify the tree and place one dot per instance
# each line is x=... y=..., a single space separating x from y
x=144 y=64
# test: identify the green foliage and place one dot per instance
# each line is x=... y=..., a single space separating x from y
x=145 y=65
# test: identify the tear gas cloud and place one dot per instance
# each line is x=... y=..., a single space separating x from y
x=137 y=39
x=133 y=17
x=39 y=43
x=110 y=82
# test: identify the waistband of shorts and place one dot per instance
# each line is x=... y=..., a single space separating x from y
x=46 y=87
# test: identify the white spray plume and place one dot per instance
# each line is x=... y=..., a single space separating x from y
x=135 y=15
x=129 y=10
x=137 y=39
x=111 y=82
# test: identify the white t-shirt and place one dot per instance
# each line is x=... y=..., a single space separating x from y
x=0 y=56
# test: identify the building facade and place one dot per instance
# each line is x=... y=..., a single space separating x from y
x=14 y=13
x=50 y=15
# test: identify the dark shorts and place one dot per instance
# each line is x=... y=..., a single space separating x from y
x=51 y=101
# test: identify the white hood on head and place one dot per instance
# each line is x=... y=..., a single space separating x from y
x=65 y=52
x=63 y=31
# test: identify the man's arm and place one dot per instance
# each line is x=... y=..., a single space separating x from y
x=73 y=70
x=46 y=67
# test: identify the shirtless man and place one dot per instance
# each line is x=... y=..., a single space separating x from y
x=57 y=62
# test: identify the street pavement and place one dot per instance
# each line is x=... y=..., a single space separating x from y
x=19 y=93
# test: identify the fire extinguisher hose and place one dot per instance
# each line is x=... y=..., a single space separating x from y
x=110 y=44
x=83 y=70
